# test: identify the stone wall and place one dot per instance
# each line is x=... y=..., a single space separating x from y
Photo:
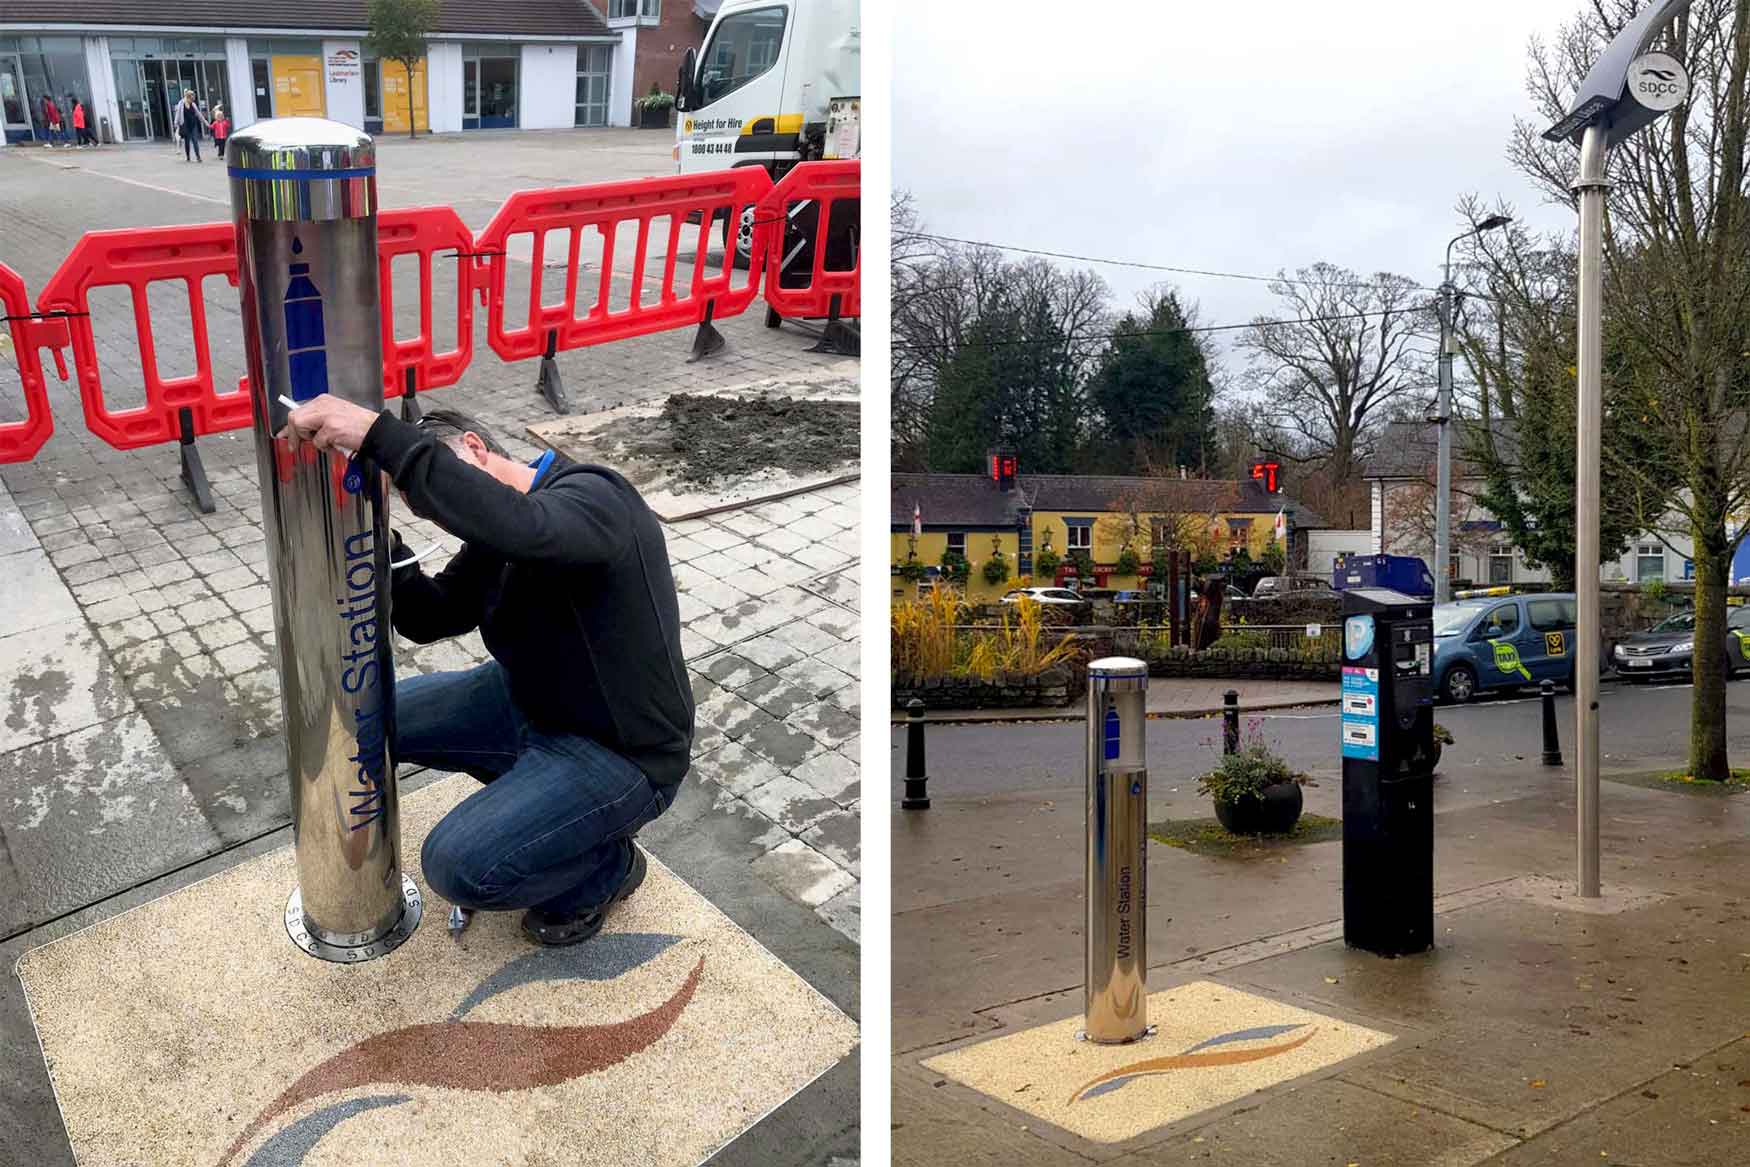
x=1051 y=689
x=1277 y=664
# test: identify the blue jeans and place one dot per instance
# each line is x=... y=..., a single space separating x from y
x=551 y=828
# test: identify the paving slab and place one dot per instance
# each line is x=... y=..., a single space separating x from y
x=35 y=596
x=191 y=1031
x=55 y=679
x=90 y=811
x=1698 y=1113
x=1330 y=1121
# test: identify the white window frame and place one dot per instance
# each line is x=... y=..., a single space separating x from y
x=1084 y=541
x=961 y=549
x=579 y=108
x=1501 y=551
x=1644 y=552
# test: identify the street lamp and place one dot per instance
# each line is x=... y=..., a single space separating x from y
x=1443 y=474
x=1627 y=90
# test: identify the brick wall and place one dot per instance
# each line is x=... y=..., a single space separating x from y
x=661 y=48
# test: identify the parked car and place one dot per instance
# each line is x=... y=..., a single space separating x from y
x=1298 y=587
x=1669 y=646
x=1047 y=596
x=1502 y=642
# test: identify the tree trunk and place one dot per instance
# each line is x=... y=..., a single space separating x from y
x=412 y=126
x=1707 y=718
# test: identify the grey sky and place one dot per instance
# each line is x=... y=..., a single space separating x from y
x=1245 y=136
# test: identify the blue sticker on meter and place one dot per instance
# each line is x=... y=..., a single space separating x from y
x=1111 y=734
x=1357 y=637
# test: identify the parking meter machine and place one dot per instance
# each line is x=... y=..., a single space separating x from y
x=1387 y=735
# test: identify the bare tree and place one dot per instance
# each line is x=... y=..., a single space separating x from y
x=1339 y=354
x=1155 y=514
x=1677 y=298
x=1410 y=515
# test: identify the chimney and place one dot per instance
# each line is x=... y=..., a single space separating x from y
x=1002 y=464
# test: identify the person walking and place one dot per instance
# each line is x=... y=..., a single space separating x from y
x=221 y=128
x=80 y=130
x=192 y=124
x=52 y=123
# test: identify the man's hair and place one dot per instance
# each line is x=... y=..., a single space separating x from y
x=448 y=426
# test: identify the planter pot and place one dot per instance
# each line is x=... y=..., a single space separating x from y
x=652 y=119
x=1273 y=814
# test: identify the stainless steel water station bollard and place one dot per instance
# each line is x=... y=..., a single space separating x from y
x=1116 y=967
x=304 y=200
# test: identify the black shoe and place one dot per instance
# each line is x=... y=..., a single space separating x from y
x=557 y=931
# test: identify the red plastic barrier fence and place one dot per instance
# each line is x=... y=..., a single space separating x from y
x=136 y=258
x=425 y=232
x=133 y=259
x=804 y=200
x=518 y=330
x=20 y=440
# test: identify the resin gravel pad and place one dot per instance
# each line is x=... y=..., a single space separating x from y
x=1214 y=1044
x=191 y=1031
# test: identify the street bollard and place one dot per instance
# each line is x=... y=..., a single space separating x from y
x=917 y=782
x=1116 y=959
x=1552 y=744
x=304 y=200
x=1230 y=722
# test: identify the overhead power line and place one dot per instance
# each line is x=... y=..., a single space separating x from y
x=1411 y=309
x=1189 y=271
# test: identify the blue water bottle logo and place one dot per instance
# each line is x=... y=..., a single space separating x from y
x=1111 y=728
x=306 y=338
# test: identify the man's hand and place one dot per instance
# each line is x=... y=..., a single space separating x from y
x=330 y=422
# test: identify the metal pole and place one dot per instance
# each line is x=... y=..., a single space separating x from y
x=1443 y=472
x=917 y=781
x=1230 y=722
x=1116 y=964
x=1591 y=187
x=1552 y=742
x=304 y=199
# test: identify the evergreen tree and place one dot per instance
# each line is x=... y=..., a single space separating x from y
x=1153 y=391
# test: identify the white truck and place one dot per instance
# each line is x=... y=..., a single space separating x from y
x=778 y=82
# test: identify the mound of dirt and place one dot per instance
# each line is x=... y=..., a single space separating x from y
x=708 y=439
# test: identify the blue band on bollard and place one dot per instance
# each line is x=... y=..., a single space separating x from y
x=300 y=175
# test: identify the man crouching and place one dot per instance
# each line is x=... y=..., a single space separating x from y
x=580 y=725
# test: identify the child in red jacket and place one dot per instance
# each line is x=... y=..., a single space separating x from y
x=221 y=128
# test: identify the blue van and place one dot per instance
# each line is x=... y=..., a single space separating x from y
x=1502 y=642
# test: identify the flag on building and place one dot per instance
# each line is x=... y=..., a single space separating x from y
x=1282 y=526
x=917 y=519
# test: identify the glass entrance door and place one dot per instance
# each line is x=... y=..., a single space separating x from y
x=156 y=98
x=14 y=103
x=498 y=77
x=130 y=94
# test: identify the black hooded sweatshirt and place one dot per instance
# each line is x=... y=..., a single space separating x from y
x=569 y=585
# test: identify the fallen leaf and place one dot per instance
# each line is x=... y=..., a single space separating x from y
x=1538 y=1083
x=1330 y=980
